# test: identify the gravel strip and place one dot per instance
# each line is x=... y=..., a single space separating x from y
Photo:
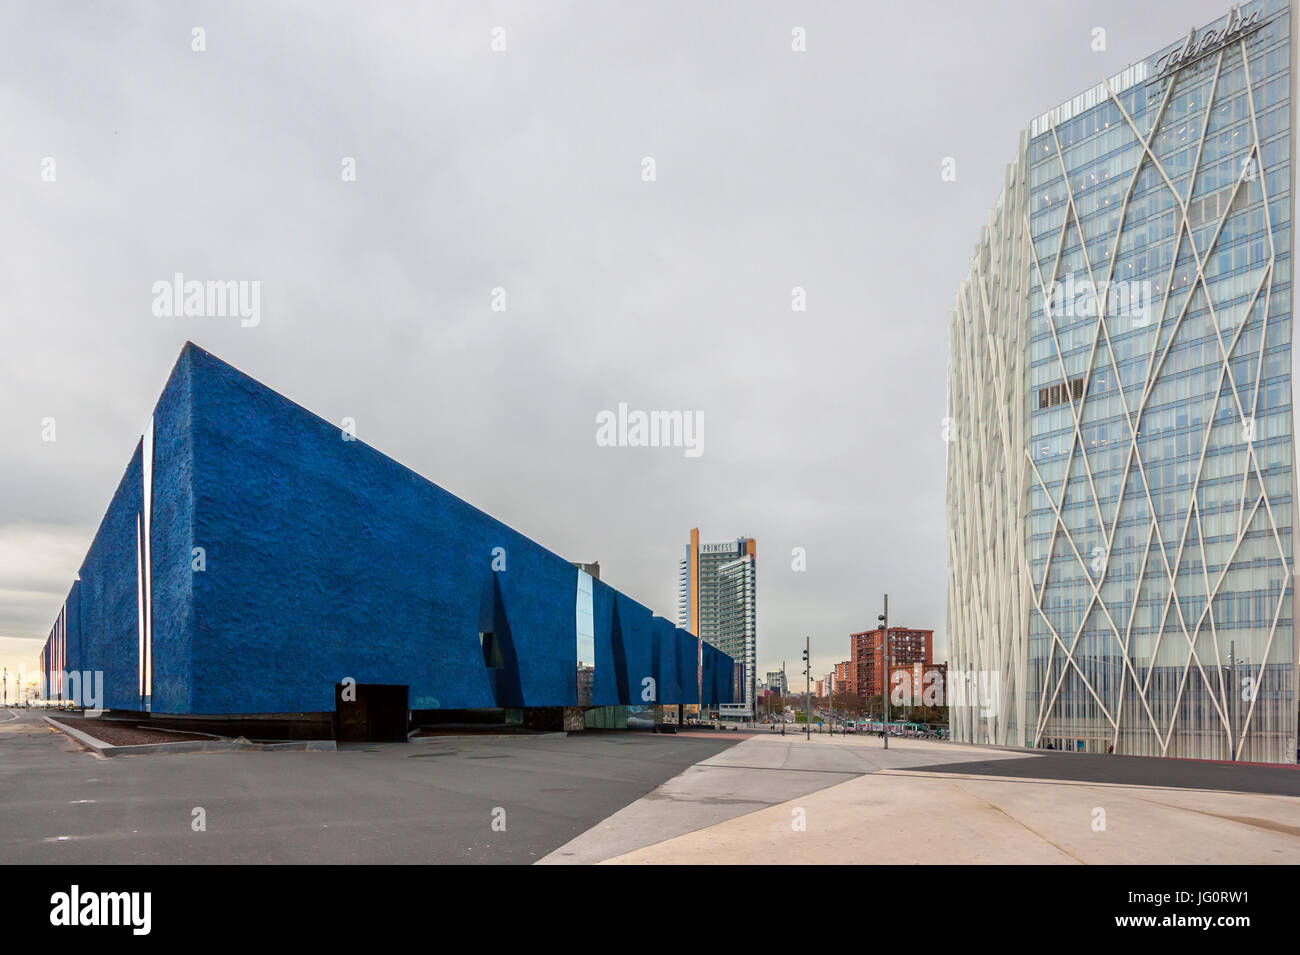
x=122 y=733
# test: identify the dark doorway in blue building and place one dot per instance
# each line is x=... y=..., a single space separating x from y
x=370 y=713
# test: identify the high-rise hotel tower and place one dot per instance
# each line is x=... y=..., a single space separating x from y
x=717 y=595
x=1121 y=470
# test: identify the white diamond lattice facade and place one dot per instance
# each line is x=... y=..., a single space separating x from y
x=1121 y=470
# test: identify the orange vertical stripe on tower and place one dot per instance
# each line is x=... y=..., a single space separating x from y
x=695 y=581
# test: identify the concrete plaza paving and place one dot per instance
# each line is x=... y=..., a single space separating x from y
x=759 y=772
x=635 y=798
x=929 y=802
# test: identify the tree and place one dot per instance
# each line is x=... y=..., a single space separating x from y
x=848 y=704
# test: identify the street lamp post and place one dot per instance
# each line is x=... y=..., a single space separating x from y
x=884 y=682
x=1232 y=701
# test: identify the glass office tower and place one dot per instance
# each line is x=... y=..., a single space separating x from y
x=1120 y=462
x=717 y=601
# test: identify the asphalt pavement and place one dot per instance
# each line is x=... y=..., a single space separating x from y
x=446 y=799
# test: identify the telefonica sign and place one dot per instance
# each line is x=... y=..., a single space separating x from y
x=1234 y=25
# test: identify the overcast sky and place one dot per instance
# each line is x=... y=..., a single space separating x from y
x=523 y=169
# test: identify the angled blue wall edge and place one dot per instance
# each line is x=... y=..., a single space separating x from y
x=285 y=559
x=109 y=614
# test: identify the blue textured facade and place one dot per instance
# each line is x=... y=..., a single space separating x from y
x=283 y=559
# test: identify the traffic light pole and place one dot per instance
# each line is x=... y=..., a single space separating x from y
x=807 y=687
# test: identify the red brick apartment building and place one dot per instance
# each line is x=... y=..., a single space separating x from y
x=867 y=665
x=844 y=678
